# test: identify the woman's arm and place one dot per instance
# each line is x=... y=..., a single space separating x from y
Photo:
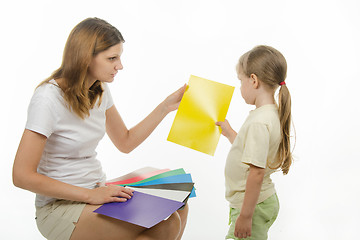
x=127 y=140
x=25 y=176
x=252 y=192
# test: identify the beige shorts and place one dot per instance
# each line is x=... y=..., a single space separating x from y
x=57 y=219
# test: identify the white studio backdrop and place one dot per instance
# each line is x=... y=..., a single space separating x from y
x=166 y=41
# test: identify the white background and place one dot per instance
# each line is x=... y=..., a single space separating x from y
x=166 y=41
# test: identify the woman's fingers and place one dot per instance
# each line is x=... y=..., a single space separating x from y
x=118 y=191
x=110 y=193
x=118 y=199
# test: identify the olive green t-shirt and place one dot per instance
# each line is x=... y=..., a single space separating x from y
x=257 y=144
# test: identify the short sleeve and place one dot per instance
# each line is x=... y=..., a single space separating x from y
x=108 y=97
x=41 y=116
x=256 y=147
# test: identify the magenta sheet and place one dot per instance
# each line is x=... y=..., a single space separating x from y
x=142 y=209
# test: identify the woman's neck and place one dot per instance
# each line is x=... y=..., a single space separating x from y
x=90 y=82
x=62 y=83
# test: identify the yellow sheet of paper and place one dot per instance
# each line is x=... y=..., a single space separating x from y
x=204 y=103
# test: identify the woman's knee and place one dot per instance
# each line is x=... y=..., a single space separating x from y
x=183 y=213
x=166 y=230
x=174 y=223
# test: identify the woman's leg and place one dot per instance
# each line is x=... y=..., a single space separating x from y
x=96 y=226
x=166 y=230
x=183 y=219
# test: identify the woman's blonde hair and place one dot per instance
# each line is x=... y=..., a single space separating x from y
x=86 y=40
x=270 y=66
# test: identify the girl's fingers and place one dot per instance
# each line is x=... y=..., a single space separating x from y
x=219 y=123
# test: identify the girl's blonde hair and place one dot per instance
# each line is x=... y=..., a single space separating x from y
x=86 y=40
x=270 y=66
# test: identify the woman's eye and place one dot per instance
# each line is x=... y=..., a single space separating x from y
x=112 y=58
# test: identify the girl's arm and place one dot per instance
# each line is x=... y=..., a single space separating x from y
x=227 y=131
x=252 y=192
x=127 y=140
x=25 y=176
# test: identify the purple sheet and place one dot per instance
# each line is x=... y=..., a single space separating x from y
x=142 y=209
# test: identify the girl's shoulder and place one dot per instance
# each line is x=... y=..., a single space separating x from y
x=265 y=112
x=266 y=115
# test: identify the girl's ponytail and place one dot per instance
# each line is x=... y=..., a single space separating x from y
x=285 y=156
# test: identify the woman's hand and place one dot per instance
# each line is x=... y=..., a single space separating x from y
x=243 y=227
x=172 y=102
x=111 y=193
x=227 y=131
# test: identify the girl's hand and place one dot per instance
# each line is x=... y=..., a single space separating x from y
x=226 y=130
x=243 y=227
x=172 y=102
x=106 y=194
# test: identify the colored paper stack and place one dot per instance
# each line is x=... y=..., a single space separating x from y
x=158 y=193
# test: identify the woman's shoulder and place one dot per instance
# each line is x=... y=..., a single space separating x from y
x=47 y=93
x=48 y=90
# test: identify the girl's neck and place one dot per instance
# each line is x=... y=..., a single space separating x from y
x=264 y=99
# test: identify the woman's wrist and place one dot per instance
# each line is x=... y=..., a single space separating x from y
x=85 y=195
x=164 y=109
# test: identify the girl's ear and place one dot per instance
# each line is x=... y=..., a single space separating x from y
x=254 y=81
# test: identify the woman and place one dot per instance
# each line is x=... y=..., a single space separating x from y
x=67 y=117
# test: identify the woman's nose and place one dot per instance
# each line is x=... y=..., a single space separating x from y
x=119 y=66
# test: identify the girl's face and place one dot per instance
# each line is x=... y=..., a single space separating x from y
x=246 y=88
x=105 y=65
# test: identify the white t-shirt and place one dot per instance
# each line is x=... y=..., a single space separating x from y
x=69 y=155
x=257 y=143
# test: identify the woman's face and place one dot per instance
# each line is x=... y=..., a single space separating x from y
x=105 y=65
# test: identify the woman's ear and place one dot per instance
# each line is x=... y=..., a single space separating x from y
x=254 y=81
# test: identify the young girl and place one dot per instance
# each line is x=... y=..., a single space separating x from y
x=68 y=115
x=260 y=147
